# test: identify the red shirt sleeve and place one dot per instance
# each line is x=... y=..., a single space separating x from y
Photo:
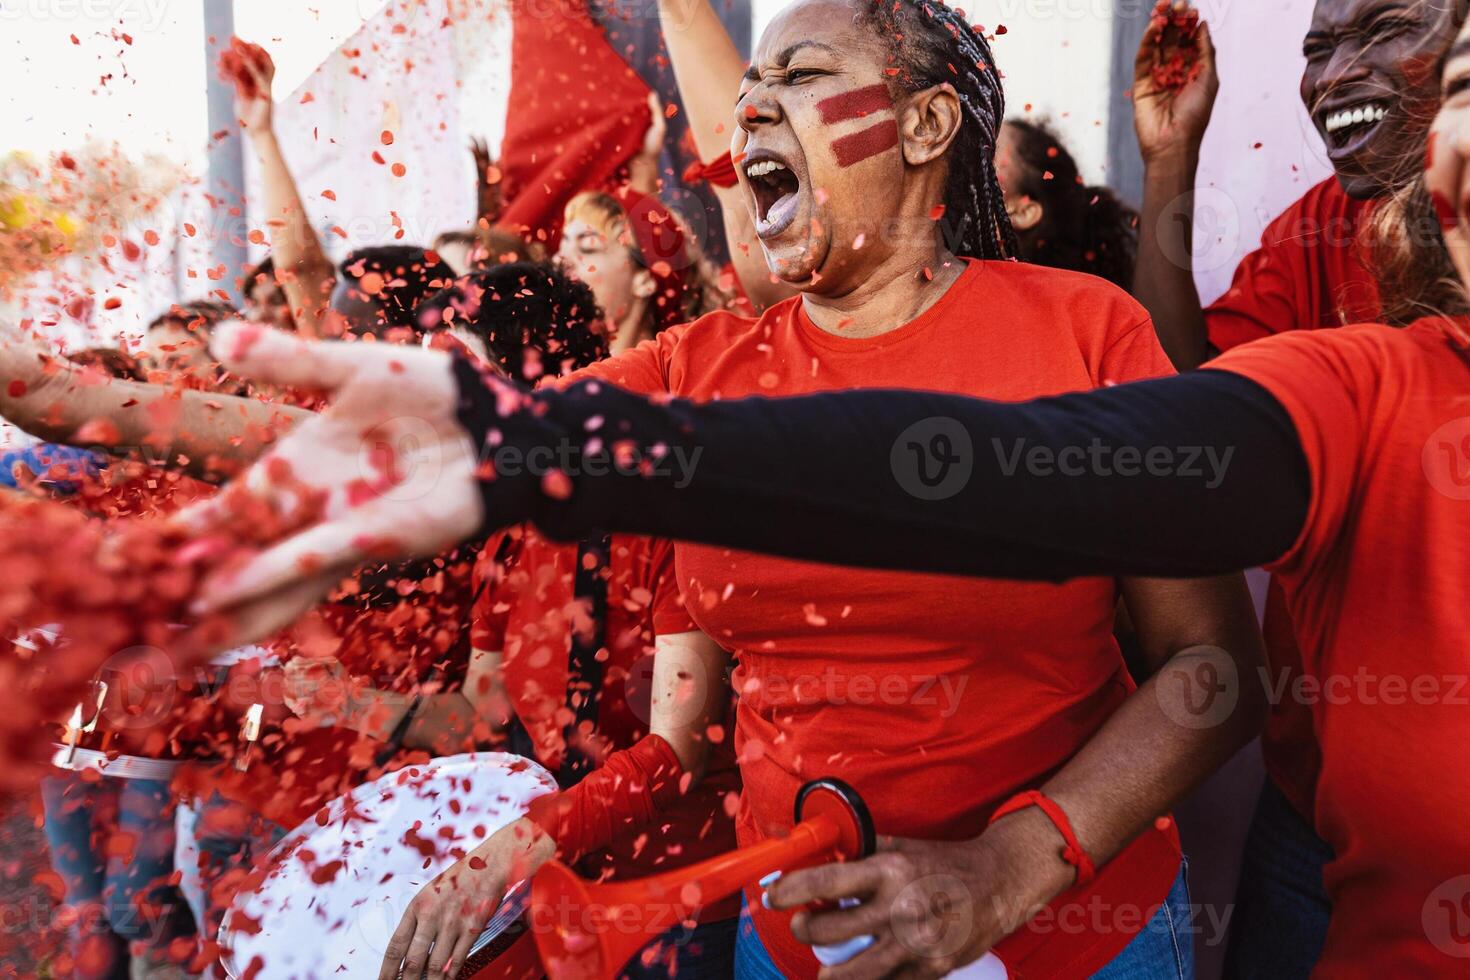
x=1324 y=380
x=491 y=612
x=643 y=370
x=1136 y=355
x=667 y=606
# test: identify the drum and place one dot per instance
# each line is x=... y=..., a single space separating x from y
x=334 y=889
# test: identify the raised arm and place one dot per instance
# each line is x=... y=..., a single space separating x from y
x=708 y=68
x=1171 y=124
x=307 y=275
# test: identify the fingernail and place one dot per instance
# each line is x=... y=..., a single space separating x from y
x=1448 y=219
x=765 y=883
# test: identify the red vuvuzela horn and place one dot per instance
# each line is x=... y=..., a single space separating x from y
x=596 y=929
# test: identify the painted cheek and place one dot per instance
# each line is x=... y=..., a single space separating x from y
x=854 y=149
x=856 y=104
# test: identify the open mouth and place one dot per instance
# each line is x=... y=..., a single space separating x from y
x=775 y=188
x=1349 y=125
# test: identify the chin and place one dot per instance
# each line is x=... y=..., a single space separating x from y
x=794 y=263
x=1360 y=187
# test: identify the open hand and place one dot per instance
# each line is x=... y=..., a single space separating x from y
x=1174 y=85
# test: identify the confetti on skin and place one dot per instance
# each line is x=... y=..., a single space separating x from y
x=1177 y=48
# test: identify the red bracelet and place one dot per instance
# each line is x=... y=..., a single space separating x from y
x=1072 y=853
x=720 y=171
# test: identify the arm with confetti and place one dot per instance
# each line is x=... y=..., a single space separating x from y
x=307 y=275
x=207 y=435
x=1174 y=88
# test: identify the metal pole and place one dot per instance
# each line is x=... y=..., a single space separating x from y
x=226 y=178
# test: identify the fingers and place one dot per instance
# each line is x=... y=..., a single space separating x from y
x=460 y=953
x=418 y=952
x=398 y=945
x=321 y=554
x=277 y=357
x=271 y=613
x=446 y=940
x=882 y=959
x=833 y=926
x=828 y=883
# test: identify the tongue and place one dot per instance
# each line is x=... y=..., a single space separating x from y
x=778 y=211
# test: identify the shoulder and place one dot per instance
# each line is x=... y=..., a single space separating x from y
x=1098 y=314
x=1325 y=203
x=1365 y=359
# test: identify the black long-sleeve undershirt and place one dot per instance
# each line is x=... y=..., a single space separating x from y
x=1185 y=476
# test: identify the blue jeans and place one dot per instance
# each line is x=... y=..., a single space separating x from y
x=227 y=837
x=1162 y=950
x=1281 y=906
x=706 y=952
x=124 y=899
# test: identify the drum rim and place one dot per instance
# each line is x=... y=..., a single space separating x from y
x=299 y=833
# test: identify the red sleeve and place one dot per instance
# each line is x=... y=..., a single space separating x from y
x=1325 y=380
x=491 y=612
x=643 y=370
x=629 y=790
x=1269 y=294
x=1136 y=355
x=667 y=605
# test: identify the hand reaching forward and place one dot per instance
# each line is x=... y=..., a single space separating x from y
x=386 y=471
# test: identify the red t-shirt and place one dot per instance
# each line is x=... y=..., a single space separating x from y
x=936 y=697
x=1376 y=587
x=1308 y=274
x=528 y=610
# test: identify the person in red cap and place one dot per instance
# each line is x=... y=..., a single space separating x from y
x=646 y=273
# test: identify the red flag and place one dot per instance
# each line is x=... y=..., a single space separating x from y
x=576 y=115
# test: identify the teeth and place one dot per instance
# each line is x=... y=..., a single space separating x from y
x=1368 y=112
x=762 y=167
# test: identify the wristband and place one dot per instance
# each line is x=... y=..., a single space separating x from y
x=1072 y=853
x=720 y=171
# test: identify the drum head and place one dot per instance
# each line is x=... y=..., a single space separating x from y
x=334 y=889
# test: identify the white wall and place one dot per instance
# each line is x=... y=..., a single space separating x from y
x=1244 y=185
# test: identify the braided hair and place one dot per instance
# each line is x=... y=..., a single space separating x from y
x=929 y=44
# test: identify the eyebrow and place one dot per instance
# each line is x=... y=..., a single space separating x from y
x=752 y=74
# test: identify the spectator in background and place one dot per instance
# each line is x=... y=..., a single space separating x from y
x=265 y=299
x=177 y=346
x=528 y=320
x=1369 y=91
x=646 y=272
x=1061 y=221
x=379 y=288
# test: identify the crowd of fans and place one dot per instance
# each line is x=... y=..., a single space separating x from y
x=888 y=227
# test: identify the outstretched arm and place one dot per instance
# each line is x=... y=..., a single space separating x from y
x=208 y=436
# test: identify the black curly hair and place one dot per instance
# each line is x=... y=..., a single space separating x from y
x=409 y=276
x=930 y=43
x=534 y=318
x=1082 y=228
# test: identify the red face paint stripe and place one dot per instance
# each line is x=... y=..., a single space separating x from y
x=855 y=104
x=870 y=142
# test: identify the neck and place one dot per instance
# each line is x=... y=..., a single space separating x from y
x=632 y=328
x=897 y=291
